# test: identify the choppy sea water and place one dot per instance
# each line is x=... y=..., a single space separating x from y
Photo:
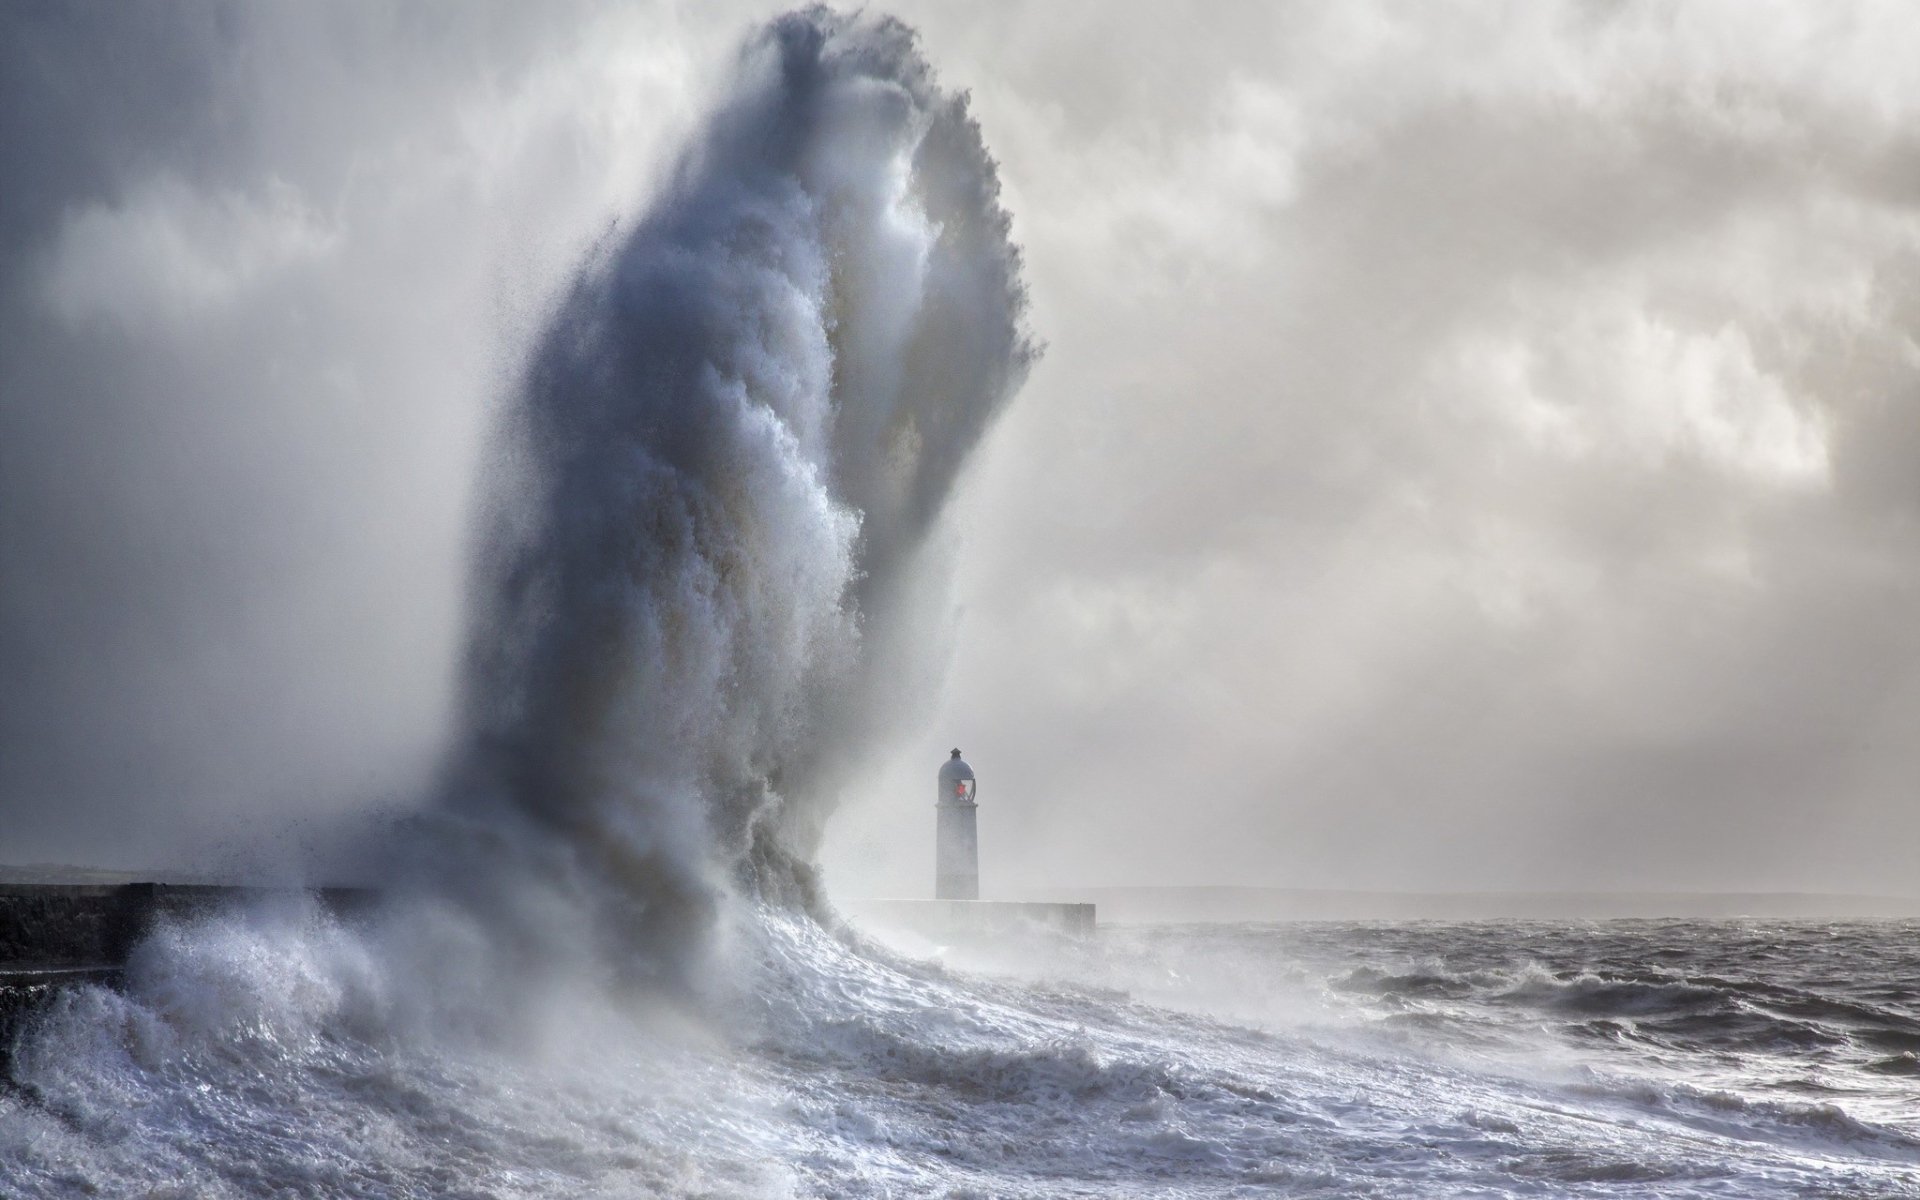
x=269 y=1054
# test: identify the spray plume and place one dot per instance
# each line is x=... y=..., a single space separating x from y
x=743 y=420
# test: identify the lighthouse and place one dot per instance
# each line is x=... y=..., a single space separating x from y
x=956 y=870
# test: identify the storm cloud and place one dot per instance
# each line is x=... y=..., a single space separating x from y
x=1478 y=446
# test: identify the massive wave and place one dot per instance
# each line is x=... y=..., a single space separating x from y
x=742 y=422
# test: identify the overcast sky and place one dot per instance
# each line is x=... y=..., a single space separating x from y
x=1478 y=445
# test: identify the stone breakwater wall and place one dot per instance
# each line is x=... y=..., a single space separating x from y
x=54 y=935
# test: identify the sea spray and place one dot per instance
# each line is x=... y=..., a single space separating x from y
x=740 y=425
x=708 y=495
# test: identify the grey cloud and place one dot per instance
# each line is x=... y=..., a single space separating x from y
x=1310 y=587
x=1396 y=503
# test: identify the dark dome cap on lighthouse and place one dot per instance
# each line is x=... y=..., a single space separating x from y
x=956 y=752
x=953 y=771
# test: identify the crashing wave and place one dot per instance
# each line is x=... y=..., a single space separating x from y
x=738 y=429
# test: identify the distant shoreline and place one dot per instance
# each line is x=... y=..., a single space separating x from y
x=1206 y=903
x=1155 y=905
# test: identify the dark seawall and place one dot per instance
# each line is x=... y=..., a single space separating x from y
x=56 y=934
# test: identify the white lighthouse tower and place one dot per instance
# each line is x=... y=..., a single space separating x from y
x=956 y=870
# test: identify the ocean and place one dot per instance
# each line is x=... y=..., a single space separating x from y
x=273 y=1052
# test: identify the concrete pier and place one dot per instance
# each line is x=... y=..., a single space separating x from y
x=65 y=927
x=57 y=934
x=976 y=918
